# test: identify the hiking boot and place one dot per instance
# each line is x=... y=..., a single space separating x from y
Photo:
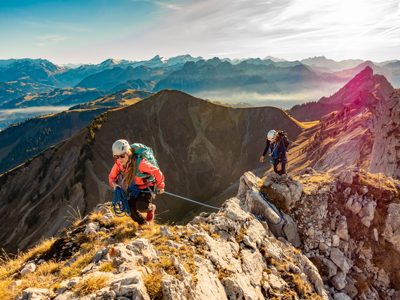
x=150 y=213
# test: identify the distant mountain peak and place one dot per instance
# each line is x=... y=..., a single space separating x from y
x=367 y=72
x=156 y=58
x=110 y=62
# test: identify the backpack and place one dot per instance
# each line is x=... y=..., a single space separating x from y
x=284 y=137
x=140 y=151
x=274 y=147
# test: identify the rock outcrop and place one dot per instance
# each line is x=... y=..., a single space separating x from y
x=348 y=221
x=385 y=157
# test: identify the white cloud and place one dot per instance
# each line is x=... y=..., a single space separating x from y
x=163 y=4
x=49 y=39
x=52 y=38
x=168 y=5
x=289 y=28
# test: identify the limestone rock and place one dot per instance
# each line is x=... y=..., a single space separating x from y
x=173 y=288
x=276 y=282
x=91 y=228
x=367 y=213
x=392 y=226
x=130 y=284
x=341 y=296
x=346 y=177
x=28 y=268
x=35 y=294
x=284 y=192
x=332 y=268
x=239 y=287
x=339 y=280
x=291 y=232
x=341 y=230
x=340 y=260
x=383 y=278
x=208 y=285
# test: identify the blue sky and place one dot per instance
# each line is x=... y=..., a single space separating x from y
x=91 y=31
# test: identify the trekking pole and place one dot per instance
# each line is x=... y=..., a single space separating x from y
x=190 y=200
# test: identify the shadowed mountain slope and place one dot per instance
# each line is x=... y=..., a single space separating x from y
x=202 y=148
x=24 y=140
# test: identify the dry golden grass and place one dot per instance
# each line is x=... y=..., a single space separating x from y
x=44 y=277
x=302 y=287
x=123 y=233
x=130 y=101
x=77 y=266
x=150 y=231
x=240 y=235
x=378 y=180
x=39 y=249
x=152 y=283
x=95 y=216
x=223 y=272
x=200 y=241
x=5 y=291
x=9 y=266
x=307 y=125
x=304 y=125
x=90 y=285
x=315 y=181
x=107 y=267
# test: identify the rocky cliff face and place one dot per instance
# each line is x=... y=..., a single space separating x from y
x=385 y=156
x=348 y=222
x=229 y=254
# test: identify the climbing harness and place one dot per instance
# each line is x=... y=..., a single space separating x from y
x=190 y=200
x=281 y=218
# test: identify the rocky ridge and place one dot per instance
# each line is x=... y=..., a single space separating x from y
x=229 y=254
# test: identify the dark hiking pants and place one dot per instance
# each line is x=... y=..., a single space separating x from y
x=283 y=167
x=140 y=202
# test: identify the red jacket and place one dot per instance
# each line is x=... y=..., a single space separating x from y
x=144 y=167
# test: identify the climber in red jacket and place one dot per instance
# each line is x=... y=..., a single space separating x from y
x=130 y=168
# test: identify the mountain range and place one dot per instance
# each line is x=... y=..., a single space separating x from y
x=32 y=78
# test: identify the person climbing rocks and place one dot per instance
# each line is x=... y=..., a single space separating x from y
x=136 y=171
x=277 y=143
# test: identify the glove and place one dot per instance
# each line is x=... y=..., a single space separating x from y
x=160 y=191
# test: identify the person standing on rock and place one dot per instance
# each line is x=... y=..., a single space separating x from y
x=277 y=143
x=136 y=171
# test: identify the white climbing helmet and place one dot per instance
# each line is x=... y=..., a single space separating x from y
x=272 y=134
x=120 y=147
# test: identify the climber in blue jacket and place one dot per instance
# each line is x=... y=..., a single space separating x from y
x=277 y=143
